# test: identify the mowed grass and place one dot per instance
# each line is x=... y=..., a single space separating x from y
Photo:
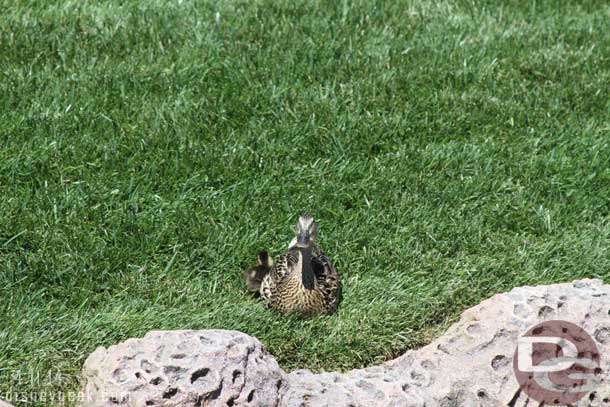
x=148 y=150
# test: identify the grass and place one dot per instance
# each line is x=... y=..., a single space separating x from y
x=450 y=150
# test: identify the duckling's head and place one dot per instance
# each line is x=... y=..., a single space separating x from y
x=306 y=232
x=264 y=259
x=255 y=274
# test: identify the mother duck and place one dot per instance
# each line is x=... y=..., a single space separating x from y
x=303 y=279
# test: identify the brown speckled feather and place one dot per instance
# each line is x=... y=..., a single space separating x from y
x=294 y=286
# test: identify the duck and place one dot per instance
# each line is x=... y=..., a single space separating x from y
x=303 y=279
x=254 y=275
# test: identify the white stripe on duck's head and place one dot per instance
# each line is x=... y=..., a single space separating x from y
x=306 y=232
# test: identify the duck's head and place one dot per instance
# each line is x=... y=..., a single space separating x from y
x=264 y=259
x=306 y=232
x=255 y=274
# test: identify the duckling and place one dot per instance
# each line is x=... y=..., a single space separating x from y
x=255 y=274
x=303 y=279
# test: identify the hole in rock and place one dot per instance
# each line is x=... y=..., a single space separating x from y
x=197 y=374
x=171 y=392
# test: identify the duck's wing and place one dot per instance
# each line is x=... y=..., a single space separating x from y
x=328 y=279
x=285 y=263
x=279 y=271
x=322 y=266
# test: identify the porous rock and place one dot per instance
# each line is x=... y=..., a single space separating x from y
x=183 y=368
x=470 y=365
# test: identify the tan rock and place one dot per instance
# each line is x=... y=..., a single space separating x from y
x=470 y=365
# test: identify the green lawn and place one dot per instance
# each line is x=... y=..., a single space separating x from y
x=148 y=150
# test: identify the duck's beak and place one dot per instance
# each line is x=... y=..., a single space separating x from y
x=303 y=238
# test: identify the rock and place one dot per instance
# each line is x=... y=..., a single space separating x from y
x=183 y=368
x=470 y=365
